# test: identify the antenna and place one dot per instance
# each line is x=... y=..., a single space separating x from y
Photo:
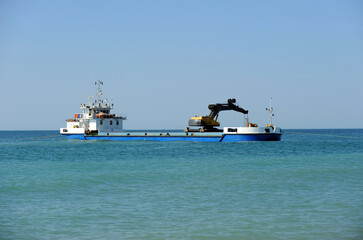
x=271 y=113
x=113 y=88
x=99 y=90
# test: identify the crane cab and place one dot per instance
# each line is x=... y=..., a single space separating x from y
x=205 y=121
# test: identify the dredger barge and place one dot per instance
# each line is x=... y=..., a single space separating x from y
x=97 y=123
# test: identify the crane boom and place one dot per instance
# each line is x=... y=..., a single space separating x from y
x=216 y=108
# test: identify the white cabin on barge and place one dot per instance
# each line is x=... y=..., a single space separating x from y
x=95 y=117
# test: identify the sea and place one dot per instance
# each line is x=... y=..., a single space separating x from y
x=307 y=186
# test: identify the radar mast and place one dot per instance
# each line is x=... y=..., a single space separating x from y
x=270 y=109
x=99 y=90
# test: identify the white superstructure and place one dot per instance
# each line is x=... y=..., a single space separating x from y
x=252 y=128
x=95 y=117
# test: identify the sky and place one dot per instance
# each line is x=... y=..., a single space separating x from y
x=163 y=62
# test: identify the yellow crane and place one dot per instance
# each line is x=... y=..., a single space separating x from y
x=209 y=122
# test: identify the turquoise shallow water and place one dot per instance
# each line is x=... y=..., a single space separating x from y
x=308 y=186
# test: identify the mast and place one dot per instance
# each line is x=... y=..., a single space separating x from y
x=99 y=90
x=270 y=109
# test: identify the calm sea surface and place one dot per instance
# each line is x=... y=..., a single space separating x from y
x=308 y=186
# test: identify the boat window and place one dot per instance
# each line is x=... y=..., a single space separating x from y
x=101 y=122
x=267 y=130
x=110 y=122
x=117 y=122
x=232 y=129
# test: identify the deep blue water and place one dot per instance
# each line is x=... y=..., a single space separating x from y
x=308 y=186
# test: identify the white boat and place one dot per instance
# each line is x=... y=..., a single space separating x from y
x=95 y=117
x=97 y=123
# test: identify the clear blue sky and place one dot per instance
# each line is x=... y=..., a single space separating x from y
x=164 y=61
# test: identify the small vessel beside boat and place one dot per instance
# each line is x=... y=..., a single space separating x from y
x=96 y=122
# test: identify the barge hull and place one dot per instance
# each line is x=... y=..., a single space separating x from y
x=220 y=138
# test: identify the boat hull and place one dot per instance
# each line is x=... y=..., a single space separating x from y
x=252 y=137
x=168 y=138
